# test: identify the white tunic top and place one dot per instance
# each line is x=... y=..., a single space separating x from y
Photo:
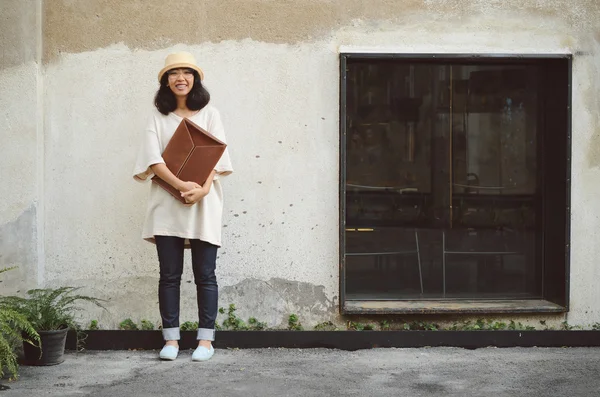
x=166 y=216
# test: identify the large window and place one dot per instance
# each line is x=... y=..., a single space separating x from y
x=454 y=183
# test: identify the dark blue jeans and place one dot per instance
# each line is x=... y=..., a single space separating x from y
x=170 y=257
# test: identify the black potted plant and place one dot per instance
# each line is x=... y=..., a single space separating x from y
x=51 y=312
x=15 y=330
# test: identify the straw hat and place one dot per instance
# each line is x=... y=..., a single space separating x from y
x=180 y=60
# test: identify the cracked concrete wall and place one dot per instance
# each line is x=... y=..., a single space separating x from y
x=19 y=143
x=272 y=70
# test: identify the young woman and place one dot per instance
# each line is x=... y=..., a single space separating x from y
x=171 y=225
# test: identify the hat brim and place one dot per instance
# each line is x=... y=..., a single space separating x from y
x=180 y=65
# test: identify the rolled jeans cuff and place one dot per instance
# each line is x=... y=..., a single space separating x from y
x=205 y=334
x=171 y=333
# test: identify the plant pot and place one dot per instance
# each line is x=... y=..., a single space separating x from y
x=53 y=348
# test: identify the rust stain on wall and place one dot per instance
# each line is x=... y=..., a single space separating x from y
x=75 y=26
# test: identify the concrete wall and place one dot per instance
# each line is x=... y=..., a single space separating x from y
x=21 y=141
x=272 y=70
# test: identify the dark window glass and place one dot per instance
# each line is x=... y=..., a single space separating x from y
x=443 y=175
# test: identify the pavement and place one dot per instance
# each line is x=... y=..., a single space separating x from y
x=320 y=372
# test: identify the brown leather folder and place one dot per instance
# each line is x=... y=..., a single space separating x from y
x=191 y=155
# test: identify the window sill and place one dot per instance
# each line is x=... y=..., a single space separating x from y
x=451 y=306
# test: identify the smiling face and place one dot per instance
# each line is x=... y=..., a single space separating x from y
x=181 y=81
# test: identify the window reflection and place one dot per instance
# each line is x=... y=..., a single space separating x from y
x=442 y=180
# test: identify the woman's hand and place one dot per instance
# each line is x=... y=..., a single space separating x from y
x=194 y=195
x=162 y=171
x=187 y=186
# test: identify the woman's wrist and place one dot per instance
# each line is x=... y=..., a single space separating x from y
x=178 y=184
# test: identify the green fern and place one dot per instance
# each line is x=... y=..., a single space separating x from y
x=14 y=330
x=50 y=309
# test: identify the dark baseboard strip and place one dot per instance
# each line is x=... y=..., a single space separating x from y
x=343 y=340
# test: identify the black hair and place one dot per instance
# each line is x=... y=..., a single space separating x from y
x=166 y=102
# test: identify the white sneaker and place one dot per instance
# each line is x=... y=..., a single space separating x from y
x=169 y=353
x=202 y=353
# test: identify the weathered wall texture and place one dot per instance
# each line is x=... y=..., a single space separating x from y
x=272 y=69
x=281 y=212
x=19 y=144
x=18 y=32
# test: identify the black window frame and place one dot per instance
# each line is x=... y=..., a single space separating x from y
x=556 y=241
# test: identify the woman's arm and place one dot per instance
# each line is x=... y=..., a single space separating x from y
x=198 y=193
x=163 y=172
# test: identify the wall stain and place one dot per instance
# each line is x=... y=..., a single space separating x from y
x=17 y=32
x=74 y=26
x=591 y=99
x=274 y=300
x=18 y=247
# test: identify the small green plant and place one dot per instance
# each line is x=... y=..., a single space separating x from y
x=518 y=326
x=233 y=322
x=596 y=326
x=498 y=326
x=189 y=326
x=430 y=326
x=545 y=325
x=384 y=325
x=479 y=324
x=465 y=326
x=14 y=330
x=469 y=326
x=489 y=325
x=255 y=325
x=325 y=326
x=420 y=325
x=147 y=325
x=93 y=325
x=128 y=325
x=294 y=324
x=356 y=326
x=567 y=327
x=360 y=326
